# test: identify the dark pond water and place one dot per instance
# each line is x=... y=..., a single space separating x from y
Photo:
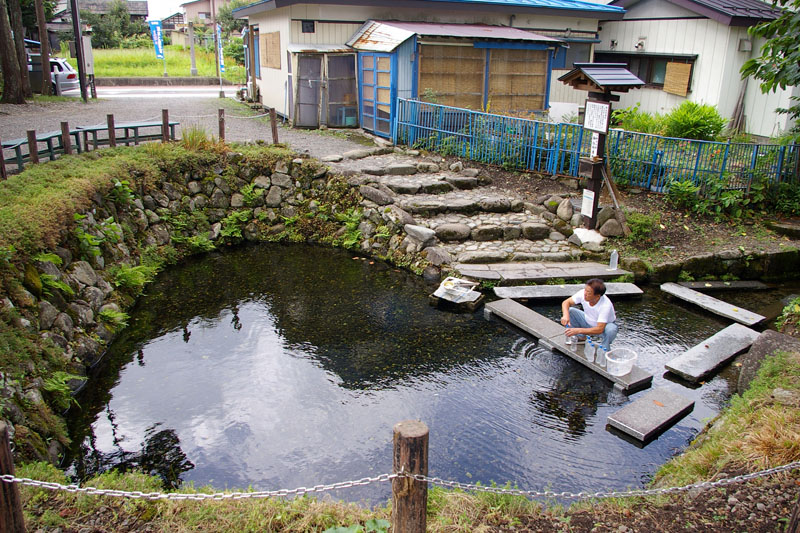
x=283 y=366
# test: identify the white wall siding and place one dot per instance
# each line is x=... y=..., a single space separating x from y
x=657 y=9
x=706 y=38
x=273 y=82
x=326 y=32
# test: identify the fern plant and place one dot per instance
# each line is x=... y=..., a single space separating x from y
x=115 y=319
x=133 y=278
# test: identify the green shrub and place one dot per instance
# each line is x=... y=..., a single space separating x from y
x=683 y=194
x=200 y=243
x=631 y=119
x=691 y=120
x=642 y=227
x=115 y=319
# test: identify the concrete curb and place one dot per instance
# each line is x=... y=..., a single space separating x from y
x=171 y=81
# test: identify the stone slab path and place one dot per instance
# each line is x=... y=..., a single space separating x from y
x=533 y=292
x=538 y=272
x=724 y=285
x=551 y=336
x=702 y=359
x=709 y=303
x=651 y=414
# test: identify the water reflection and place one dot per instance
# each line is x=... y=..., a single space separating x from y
x=277 y=367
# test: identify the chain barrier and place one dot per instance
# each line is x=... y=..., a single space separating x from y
x=388 y=477
x=226 y=116
x=137 y=495
x=603 y=494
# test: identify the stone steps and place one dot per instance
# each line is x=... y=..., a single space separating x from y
x=465 y=202
x=517 y=251
x=482 y=227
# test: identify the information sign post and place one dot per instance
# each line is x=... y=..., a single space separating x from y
x=596 y=120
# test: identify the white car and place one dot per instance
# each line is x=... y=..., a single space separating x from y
x=62 y=76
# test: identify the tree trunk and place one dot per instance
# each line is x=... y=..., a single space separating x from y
x=44 y=46
x=12 y=85
x=15 y=14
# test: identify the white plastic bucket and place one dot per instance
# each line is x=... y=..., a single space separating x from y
x=620 y=361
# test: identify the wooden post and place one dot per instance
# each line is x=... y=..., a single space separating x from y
x=221 y=115
x=164 y=125
x=66 y=140
x=33 y=147
x=3 y=172
x=794 y=522
x=273 y=121
x=112 y=132
x=11 y=519
x=409 y=496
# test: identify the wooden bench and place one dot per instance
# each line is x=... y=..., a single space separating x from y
x=132 y=133
x=53 y=139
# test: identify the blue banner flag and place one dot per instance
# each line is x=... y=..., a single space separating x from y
x=158 y=42
x=219 y=45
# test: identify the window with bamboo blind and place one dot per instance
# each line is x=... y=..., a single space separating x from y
x=454 y=73
x=517 y=80
x=271 y=49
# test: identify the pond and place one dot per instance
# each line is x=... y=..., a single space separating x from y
x=280 y=366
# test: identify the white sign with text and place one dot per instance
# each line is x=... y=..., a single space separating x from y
x=587 y=207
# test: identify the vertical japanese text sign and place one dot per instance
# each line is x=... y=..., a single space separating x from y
x=158 y=42
x=219 y=45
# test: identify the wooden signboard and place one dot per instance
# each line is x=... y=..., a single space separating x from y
x=596 y=116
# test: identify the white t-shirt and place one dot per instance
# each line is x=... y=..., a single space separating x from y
x=602 y=311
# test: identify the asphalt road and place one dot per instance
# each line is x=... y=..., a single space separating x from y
x=191 y=106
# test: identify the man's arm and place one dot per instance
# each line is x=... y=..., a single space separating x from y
x=597 y=330
x=565 y=305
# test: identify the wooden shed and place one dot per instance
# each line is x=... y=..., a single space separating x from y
x=474 y=66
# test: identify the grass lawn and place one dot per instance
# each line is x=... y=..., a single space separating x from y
x=142 y=62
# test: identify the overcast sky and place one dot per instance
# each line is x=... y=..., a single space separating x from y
x=159 y=9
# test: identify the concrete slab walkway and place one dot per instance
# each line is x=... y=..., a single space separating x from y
x=541 y=292
x=724 y=285
x=709 y=303
x=702 y=359
x=551 y=335
x=538 y=272
x=651 y=414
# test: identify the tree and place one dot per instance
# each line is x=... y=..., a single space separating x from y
x=225 y=17
x=13 y=91
x=29 y=11
x=109 y=30
x=779 y=62
x=15 y=14
x=44 y=48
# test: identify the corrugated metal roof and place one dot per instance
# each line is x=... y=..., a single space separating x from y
x=605 y=75
x=730 y=12
x=321 y=48
x=382 y=36
x=576 y=7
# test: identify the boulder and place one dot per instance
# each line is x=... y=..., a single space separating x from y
x=219 y=199
x=83 y=273
x=82 y=312
x=401 y=169
x=282 y=180
x=470 y=172
x=237 y=200
x=511 y=233
x=423 y=235
x=495 y=205
x=332 y=158
x=375 y=195
x=564 y=210
x=426 y=167
x=262 y=182
x=93 y=296
x=765 y=345
x=453 y=232
x=611 y=228
x=552 y=203
x=47 y=315
x=437 y=256
x=488 y=232
x=534 y=231
x=273 y=198
x=458 y=166
x=65 y=325
x=605 y=214
x=359 y=153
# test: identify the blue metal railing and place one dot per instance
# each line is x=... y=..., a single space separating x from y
x=644 y=160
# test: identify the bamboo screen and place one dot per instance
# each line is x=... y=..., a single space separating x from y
x=271 y=49
x=676 y=80
x=454 y=73
x=517 y=80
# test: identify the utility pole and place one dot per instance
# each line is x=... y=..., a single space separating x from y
x=193 y=71
x=214 y=29
x=76 y=28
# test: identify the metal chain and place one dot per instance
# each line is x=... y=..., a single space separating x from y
x=199 y=496
x=603 y=494
x=388 y=477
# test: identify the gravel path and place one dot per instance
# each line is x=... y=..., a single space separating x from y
x=16 y=120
